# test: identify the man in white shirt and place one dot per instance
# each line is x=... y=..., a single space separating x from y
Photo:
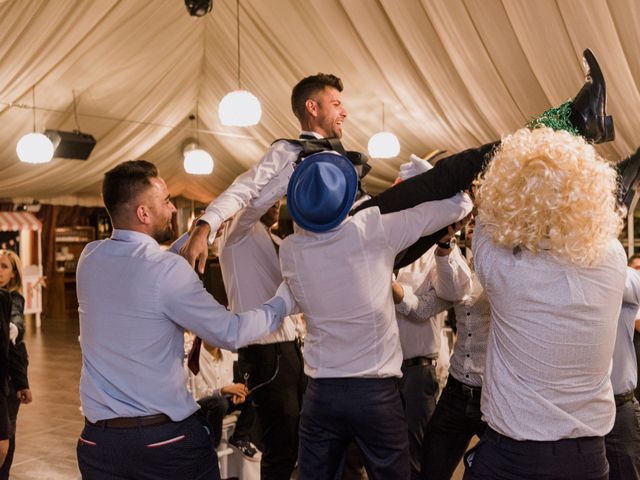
x=546 y=252
x=623 y=441
x=251 y=274
x=135 y=301
x=338 y=269
x=316 y=101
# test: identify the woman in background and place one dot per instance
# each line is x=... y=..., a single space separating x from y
x=18 y=385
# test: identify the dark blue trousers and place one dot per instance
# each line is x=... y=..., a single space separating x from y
x=497 y=457
x=336 y=411
x=176 y=450
x=623 y=443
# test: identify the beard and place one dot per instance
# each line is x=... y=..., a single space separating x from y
x=163 y=234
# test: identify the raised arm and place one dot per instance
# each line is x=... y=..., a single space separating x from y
x=269 y=176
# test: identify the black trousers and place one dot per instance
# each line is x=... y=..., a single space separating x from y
x=497 y=457
x=623 y=443
x=215 y=409
x=13 y=405
x=278 y=403
x=456 y=420
x=448 y=177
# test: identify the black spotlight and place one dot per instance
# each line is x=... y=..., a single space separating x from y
x=198 y=8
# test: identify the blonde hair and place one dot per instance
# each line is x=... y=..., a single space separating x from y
x=550 y=190
x=15 y=284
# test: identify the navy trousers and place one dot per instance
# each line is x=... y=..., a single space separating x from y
x=497 y=457
x=336 y=411
x=419 y=387
x=623 y=443
x=176 y=450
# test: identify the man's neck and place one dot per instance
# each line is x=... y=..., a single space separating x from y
x=311 y=133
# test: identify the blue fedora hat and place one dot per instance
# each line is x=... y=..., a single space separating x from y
x=321 y=191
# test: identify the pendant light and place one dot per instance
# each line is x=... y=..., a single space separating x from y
x=197 y=161
x=239 y=108
x=34 y=147
x=383 y=144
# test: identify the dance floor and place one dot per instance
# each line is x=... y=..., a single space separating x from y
x=49 y=427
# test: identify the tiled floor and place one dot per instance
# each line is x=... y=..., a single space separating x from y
x=49 y=427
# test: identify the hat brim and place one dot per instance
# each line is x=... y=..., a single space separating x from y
x=351 y=177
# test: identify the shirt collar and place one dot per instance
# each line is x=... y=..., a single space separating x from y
x=313 y=134
x=132 y=236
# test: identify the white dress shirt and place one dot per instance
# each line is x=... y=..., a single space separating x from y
x=553 y=327
x=624 y=372
x=135 y=301
x=213 y=375
x=250 y=265
x=421 y=311
x=341 y=281
x=268 y=179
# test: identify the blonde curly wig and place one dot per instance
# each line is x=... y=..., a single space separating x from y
x=550 y=190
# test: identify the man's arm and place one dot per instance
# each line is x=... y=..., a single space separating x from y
x=631 y=292
x=184 y=301
x=405 y=227
x=419 y=308
x=275 y=166
x=452 y=280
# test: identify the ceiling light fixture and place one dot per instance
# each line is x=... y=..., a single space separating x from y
x=198 y=8
x=383 y=144
x=197 y=161
x=34 y=147
x=239 y=108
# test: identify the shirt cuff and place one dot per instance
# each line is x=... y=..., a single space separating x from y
x=214 y=220
x=409 y=301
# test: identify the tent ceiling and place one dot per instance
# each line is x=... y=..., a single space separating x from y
x=452 y=74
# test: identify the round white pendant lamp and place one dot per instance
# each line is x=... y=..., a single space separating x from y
x=383 y=144
x=34 y=147
x=196 y=160
x=239 y=108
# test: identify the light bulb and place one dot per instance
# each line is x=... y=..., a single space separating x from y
x=198 y=162
x=239 y=109
x=34 y=148
x=383 y=145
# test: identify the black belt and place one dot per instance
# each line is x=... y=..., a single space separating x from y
x=623 y=398
x=131 y=422
x=466 y=390
x=415 y=361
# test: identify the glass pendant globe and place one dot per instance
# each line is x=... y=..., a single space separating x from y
x=239 y=109
x=198 y=162
x=383 y=145
x=34 y=148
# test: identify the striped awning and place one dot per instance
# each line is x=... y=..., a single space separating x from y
x=11 y=221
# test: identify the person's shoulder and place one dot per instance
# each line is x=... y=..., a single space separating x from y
x=17 y=298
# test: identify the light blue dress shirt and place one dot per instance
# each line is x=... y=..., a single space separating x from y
x=135 y=301
x=624 y=372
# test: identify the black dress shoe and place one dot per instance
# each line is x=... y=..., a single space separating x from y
x=628 y=178
x=588 y=109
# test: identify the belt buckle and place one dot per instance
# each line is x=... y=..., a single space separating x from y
x=467 y=390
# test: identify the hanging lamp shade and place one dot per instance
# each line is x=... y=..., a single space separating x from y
x=239 y=108
x=34 y=148
x=383 y=145
x=196 y=160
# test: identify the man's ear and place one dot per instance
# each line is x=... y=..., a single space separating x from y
x=311 y=106
x=143 y=214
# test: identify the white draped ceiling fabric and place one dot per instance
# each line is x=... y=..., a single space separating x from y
x=452 y=74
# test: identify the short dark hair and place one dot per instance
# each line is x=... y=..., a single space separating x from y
x=306 y=87
x=632 y=258
x=124 y=182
